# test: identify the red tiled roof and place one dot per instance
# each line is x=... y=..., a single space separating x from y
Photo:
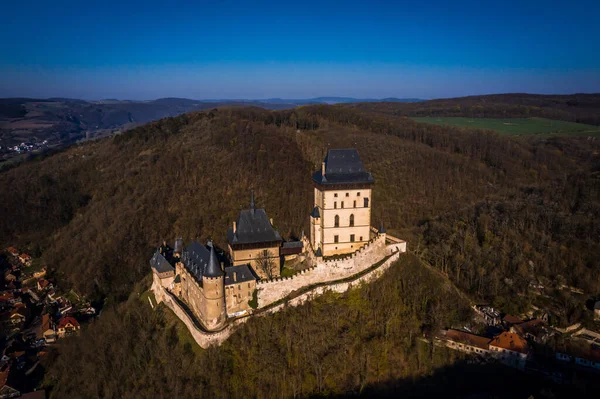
x=25 y=256
x=512 y=319
x=469 y=339
x=66 y=320
x=510 y=341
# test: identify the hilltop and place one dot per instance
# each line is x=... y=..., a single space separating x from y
x=488 y=212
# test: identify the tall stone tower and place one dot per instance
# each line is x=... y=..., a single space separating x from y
x=341 y=218
x=213 y=287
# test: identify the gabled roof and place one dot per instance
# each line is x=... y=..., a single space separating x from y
x=510 y=341
x=252 y=226
x=238 y=274
x=201 y=261
x=508 y=318
x=469 y=339
x=160 y=263
x=343 y=166
x=67 y=320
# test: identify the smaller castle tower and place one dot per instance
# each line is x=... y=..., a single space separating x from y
x=213 y=286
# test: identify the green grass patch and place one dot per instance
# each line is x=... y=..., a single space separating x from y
x=287 y=272
x=517 y=126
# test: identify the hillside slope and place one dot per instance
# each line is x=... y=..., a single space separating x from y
x=97 y=210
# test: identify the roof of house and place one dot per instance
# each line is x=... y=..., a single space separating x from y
x=160 y=263
x=39 y=394
x=510 y=341
x=25 y=256
x=469 y=339
x=343 y=166
x=67 y=320
x=201 y=261
x=511 y=319
x=238 y=274
x=252 y=226
x=535 y=327
x=12 y=250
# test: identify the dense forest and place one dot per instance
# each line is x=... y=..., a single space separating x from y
x=488 y=212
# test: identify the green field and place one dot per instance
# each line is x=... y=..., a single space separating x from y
x=518 y=126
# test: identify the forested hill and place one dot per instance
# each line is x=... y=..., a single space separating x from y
x=581 y=108
x=97 y=210
x=491 y=212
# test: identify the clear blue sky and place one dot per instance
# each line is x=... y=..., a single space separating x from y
x=259 y=49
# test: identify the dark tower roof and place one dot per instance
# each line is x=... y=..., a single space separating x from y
x=315 y=213
x=213 y=269
x=252 y=226
x=178 y=246
x=343 y=166
x=200 y=261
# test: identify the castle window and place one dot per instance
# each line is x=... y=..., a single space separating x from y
x=351 y=237
x=358 y=194
x=342 y=204
x=366 y=202
x=336 y=239
x=354 y=204
x=347 y=194
x=361 y=238
x=335 y=195
x=352 y=221
x=335 y=205
x=336 y=221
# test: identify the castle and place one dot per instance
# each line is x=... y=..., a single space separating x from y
x=340 y=224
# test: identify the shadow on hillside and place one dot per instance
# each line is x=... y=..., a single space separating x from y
x=462 y=380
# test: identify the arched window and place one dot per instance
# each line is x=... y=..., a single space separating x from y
x=351 y=220
x=337 y=221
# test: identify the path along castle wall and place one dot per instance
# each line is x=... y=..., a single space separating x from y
x=330 y=270
x=339 y=287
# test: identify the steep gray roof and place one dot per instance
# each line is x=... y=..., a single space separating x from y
x=343 y=166
x=253 y=226
x=315 y=213
x=160 y=263
x=238 y=274
x=201 y=261
x=213 y=269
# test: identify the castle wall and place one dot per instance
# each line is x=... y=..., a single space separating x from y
x=206 y=339
x=330 y=270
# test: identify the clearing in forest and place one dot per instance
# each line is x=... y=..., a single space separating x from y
x=518 y=126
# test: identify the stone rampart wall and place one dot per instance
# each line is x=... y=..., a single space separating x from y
x=324 y=271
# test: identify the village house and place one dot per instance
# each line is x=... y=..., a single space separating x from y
x=581 y=354
x=25 y=259
x=509 y=320
x=43 y=284
x=467 y=342
x=488 y=314
x=510 y=348
x=534 y=330
x=252 y=240
x=45 y=330
x=340 y=221
x=13 y=251
x=67 y=326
